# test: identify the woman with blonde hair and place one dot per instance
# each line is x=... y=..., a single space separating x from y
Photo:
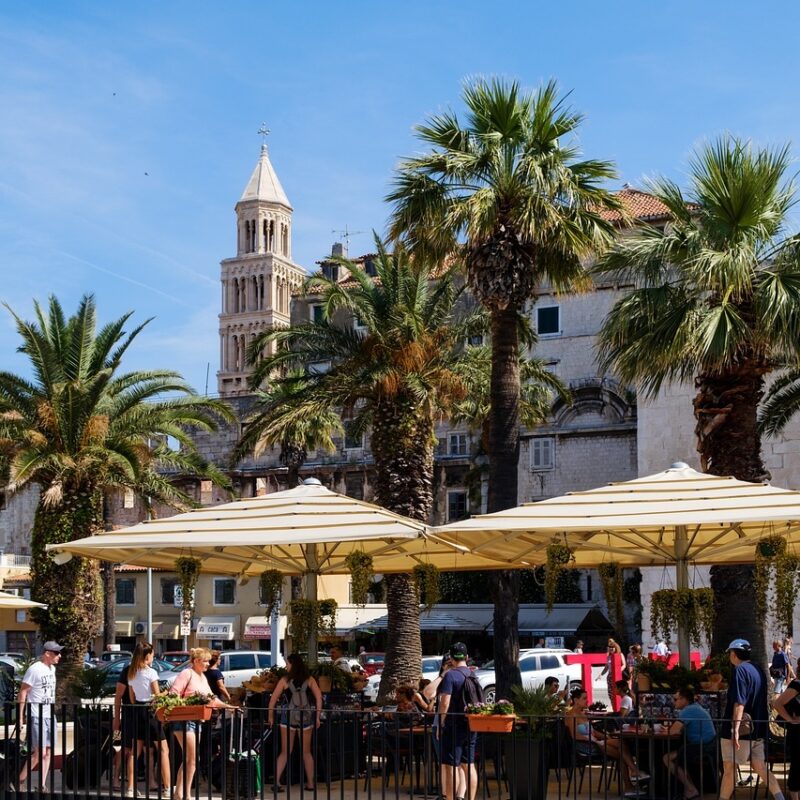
x=613 y=655
x=191 y=680
x=144 y=729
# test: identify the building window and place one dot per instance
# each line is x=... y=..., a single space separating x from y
x=476 y=340
x=331 y=271
x=457 y=444
x=168 y=591
x=317 y=313
x=354 y=484
x=456 y=505
x=224 y=591
x=352 y=441
x=370 y=268
x=126 y=592
x=206 y=492
x=548 y=321
x=543 y=453
x=2 y=500
x=359 y=324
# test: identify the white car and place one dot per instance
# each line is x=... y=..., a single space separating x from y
x=430 y=670
x=239 y=666
x=535 y=665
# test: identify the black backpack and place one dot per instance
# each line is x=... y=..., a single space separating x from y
x=471 y=690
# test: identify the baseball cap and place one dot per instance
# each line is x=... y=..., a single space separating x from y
x=739 y=644
x=458 y=650
x=53 y=647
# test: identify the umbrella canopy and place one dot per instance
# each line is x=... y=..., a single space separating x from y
x=676 y=516
x=308 y=529
x=15 y=601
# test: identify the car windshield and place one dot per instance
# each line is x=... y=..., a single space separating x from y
x=488 y=665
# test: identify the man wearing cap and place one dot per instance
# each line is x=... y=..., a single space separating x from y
x=38 y=691
x=747 y=695
x=457 y=742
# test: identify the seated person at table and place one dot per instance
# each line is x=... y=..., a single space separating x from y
x=625 y=699
x=408 y=713
x=699 y=740
x=552 y=684
x=588 y=741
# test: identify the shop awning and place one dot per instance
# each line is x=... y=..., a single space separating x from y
x=257 y=628
x=166 y=628
x=217 y=628
x=125 y=626
x=433 y=621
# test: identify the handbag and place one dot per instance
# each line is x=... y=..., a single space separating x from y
x=746 y=725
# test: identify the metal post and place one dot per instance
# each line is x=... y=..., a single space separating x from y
x=682 y=581
x=312 y=566
x=150 y=605
x=275 y=633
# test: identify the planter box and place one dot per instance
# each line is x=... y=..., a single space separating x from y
x=185 y=714
x=526 y=762
x=491 y=723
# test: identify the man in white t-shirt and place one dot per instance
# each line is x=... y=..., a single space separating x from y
x=38 y=692
x=339 y=659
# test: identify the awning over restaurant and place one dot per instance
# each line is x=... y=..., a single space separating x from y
x=433 y=621
x=257 y=628
x=125 y=626
x=218 y=628
x=563 y=620
x=166 y=627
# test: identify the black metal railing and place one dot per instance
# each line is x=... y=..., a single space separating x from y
x=356 y=754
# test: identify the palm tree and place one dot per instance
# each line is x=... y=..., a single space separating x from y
x=510 y=185
x=79 y=428
x=271 y=423
x=717 y=301
x=393 y=374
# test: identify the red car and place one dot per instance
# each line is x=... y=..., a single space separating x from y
x=372 y=663
x=175 y=657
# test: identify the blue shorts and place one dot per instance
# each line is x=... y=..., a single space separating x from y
x=187 y=726
x=457 y=744
x=43 y=732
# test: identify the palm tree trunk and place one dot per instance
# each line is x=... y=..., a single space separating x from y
x=503 y=467
x=71 y=590
x=726 y=414
x=109 y=586
x=402 y=445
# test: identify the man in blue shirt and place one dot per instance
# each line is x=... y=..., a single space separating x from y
x=747 y=695
x=699 y=739
x=780 y=669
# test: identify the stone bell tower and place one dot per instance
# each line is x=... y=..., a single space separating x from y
x=257 y=284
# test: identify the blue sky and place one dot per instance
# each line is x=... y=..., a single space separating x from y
x=95 y=95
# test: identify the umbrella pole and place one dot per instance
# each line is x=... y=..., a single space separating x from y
x=682 y=582
x=311 y=594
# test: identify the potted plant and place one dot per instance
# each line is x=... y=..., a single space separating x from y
x=497 y=717
x=172 y=708
x=529 y=749
x=330 y=678
x=651 y=673
x=358 y=681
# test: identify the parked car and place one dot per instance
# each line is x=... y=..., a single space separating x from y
x=237 y=666
x=371 y=663
x=175 y=657
x=114 y=655
x=430 y=670
x=534 y=665
x=113 y=670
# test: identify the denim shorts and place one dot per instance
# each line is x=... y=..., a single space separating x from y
x=188 y=726
x=44 y=731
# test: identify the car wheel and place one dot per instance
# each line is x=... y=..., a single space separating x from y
x=488 y=694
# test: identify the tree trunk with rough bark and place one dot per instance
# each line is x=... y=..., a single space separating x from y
x=292 y=456
x=108 y=576
x=71 y=590
x=503 y=477
x=728 y=442
x=402 y=445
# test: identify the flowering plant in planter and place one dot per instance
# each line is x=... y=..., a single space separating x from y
x=486 y=709
x=172 y=707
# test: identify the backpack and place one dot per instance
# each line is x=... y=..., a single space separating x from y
x=471 y=690
x=301 y=712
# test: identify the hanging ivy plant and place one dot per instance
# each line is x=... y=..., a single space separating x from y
x=426 y=580
x=558 y=556
x=775 y=565
x=613 y=581
x=188 y=570
x=361 y=571
x=312 y=616
x=270 y=583
x=691 y=609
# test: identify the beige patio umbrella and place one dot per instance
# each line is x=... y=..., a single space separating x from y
x=675 y=517
x=305 y=531
x=8 y=600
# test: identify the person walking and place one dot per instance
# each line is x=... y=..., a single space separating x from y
x=191 y=680
x=298 y=716
x=215 y=678
x=37 y=695
x=787 y=704
x=613 y=657
x=780 y=668
x=145 y=730
x=746 y=722
x=456 y=741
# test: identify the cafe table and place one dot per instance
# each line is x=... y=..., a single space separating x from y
x=659 y=738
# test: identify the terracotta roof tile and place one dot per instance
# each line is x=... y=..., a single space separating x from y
x=639 y=205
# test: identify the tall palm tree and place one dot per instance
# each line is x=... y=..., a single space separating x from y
x=394 y=374
x=271 y=423
x=717 y=301
x=80 y=427
x=509 y=184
